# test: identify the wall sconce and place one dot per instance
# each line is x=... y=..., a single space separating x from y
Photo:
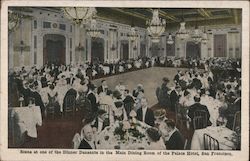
x=113 y=48
x=21 y=47
x=80 y=47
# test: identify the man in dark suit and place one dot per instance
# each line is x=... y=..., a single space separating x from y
x=71 y=79
x=92 y=98
x=101 y=121
x=198 y=107
x=103 y=87
x=177 y=77
x=145 y=114
x=174 y=97
x=37 y=97
x=196 y=82
x=25 y=92
x=172 y=136
x=128 y=102
x=87 y=141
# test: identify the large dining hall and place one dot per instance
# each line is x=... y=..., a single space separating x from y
x=124 y=78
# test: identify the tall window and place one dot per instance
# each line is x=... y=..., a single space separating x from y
x=70 y=43
x=46 y=25
x=35 y=55
x=35 y=24
x=220 y=45
x=35 y=42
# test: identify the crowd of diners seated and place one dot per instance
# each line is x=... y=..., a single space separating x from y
x=202 y=89
x=50 y=86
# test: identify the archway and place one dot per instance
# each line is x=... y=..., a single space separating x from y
x=193 y=50
x=97 y=50
x=54 y=49
x=124 y=50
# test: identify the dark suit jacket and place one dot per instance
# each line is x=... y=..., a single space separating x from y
x=26 y=94
x=149 y=117
x=70 y=81
x=99 y=89
x=44 y=82
x=84 y=145
x=70 y=92
x=197 y=83
x=176 y=78
x=175 y=142
x=92 y=100
x=196 y=107
x=38 y=100
x=105 y=123
x=174 y=98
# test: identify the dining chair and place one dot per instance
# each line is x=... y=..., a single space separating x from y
x=129 y=107
x=185 y=144
x=105 y=107
x=50 y=108
x=210 y=143
x=76 y=141
x=200 y=119
x=69 y=105
x=237 y=121
x=181 y=115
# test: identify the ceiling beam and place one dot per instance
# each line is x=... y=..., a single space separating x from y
x=204 y=13
x=167 y=15
x=138 y=15
x=236 y=17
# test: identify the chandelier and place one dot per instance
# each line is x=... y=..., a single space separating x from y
x=156 y=26
x=13 y=20
x=170 y=40
x=93 y=31
x=132 y=34
x=196 y=34
x=79 y=15
x=204 y=39
x=182 y=33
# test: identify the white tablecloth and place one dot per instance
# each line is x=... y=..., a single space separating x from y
x=213 y=106
x=107 y=140
x=24 y=119
x=222 y=134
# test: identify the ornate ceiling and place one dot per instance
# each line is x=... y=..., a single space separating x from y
x=139 y=16
x=173 y=16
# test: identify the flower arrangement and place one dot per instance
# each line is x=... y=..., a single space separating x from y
x=126 y=129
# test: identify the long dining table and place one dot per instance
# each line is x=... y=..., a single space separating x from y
x=24 y=119
x=225 y=137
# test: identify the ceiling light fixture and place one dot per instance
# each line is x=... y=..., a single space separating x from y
x=204 y=39
x=156 y=26
x=182 y=33
x=93 y=31
x=196 y=36
x=79 y=15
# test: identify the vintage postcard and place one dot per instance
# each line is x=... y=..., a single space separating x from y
x=124 y=80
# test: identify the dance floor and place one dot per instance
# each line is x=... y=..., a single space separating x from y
x=59 y=132
x=150 y=78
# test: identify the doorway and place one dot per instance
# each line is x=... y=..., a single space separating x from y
x=97 y=50
x=220 y=45
x=54 y=49
x=193 y=50
x=124 y=50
